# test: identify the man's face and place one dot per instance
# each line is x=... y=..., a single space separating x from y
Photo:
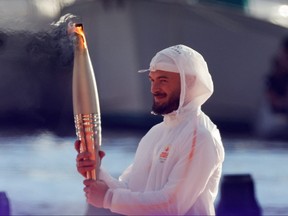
x=165 y=88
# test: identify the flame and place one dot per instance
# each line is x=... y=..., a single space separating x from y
x=78 y=29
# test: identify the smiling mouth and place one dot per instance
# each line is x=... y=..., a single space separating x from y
x=159 y=97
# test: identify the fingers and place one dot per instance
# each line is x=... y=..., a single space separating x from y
x=83 y=156
x=87 y=155
x=84 y=164
x=77 y=146
x=84 y=170
x=86 y=189
x=88 y=182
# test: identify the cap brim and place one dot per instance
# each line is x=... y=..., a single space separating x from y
x=143 y=70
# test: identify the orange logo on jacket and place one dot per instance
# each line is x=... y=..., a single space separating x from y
x=164 y=154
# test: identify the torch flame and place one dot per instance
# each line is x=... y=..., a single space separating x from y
x=78 y=29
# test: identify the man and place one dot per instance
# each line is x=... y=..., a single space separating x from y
x=178 y=163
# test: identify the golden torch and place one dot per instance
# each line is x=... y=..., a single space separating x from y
x=85 y=97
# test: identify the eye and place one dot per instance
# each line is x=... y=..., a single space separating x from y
x=163 y=80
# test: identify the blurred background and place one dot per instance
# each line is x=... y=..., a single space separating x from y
x=243 y=41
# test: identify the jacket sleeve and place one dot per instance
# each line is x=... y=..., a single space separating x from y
x=113 y=182
x=186 y=182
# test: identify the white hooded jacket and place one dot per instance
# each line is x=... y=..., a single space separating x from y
x=178 y=163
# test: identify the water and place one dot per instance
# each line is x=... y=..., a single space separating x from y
x=38 y=172
x=267 y=162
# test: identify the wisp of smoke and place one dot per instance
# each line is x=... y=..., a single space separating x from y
x=53 y=44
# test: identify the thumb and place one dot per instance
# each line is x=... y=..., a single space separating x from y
x=77 y=145
x=101 y=154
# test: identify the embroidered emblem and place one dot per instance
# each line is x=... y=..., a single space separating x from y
x=164 y=154
x=177 y=49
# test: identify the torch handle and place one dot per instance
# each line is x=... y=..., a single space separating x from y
x=88 y=131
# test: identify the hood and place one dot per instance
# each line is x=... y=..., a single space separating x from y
x=196 y=81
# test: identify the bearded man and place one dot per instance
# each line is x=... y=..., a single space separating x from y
x=178 y=163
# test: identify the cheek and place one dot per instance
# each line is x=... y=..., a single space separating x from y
x=175 y=93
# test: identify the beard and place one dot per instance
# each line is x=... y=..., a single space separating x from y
x=165 y=108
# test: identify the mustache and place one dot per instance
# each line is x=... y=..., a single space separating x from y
x=159 y=94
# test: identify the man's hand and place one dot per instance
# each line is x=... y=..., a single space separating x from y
x=95 y=191
x=83 y=161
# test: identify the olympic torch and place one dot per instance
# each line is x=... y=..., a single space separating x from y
x=85 y=97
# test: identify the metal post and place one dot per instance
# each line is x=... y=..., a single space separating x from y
x=4 y=205
x=238 y=196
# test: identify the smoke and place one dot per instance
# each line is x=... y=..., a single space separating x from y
x=66 y=19
x=53 y=44
x=36 y=58
x=36 y=73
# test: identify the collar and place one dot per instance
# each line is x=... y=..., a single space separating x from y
x=181 y=115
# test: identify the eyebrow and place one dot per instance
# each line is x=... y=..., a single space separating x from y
x=160 y=77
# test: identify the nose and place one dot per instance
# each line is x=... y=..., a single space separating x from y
x=154 y=87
